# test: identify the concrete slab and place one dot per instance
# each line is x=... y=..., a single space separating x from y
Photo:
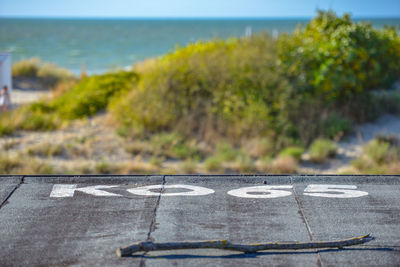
x=377 y=213
x=71 y=220
x=81 y=230
x=222 y=216
x=7 y=185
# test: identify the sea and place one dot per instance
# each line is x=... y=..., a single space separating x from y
x=99 y=45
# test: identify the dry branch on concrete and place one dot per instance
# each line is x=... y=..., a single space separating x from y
x=251 y=248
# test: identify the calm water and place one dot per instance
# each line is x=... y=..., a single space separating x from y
x=106 y=44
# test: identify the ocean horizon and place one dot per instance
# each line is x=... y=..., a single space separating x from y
x=101 y=44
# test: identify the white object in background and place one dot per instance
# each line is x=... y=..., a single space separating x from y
x=5 y=71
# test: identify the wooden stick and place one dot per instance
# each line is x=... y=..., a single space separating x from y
x=224 y=244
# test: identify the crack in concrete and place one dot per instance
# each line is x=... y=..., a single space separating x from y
x=303 y=217
x=4 y=202
x=153 y=221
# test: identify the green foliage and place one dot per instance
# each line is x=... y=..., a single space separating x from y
x=5 y=128
x=87 y=98
x=220 y=88
x=93 y=94
x=333 y=64
x=321 y=149
x=383 y=150
x=105 y=168
x=213 y=164
x=245 y=164
x=29 y=118
x=335 y=127
x=292 y=151
x=338 y=59
x=226 y=153
x=26 y=68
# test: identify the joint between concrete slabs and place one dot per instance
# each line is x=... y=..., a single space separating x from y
x=304 y=218
x=4 y=201
x=153 y=221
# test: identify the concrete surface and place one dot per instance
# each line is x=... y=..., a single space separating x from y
x=85 y=225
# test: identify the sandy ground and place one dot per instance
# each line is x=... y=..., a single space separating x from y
x=106 y=146
x=19 y=96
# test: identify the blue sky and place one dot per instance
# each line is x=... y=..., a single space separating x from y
x=195 y=8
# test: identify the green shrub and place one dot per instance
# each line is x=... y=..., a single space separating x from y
x=336 y=127
x=26 y=68
x=5 y=128
x=29 y=118
x=226 y=153
x=213 y=164
x=105 y=168
x=187 y=150
x=380 y=156
x=338 y=59
x=48 y=74
x=321 y=149
x=245 y=164
x=334 y=64
x=93 y=94
x=292 y=151
x=214 y=89
x=376 y=151
x=383 y=149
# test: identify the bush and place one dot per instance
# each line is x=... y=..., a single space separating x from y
x=29 y=118
x=93 y=94
x=383 y=149
x=27 y=68
x=322 y=149
x=245 y=164
x=214 y=164
x=334 y=64
x=105 y=168
x=336 y=127
x=225 y=152
x=338 y=59
x=208 y=89
x=47 y=73
x=5 y=128
x=292 y=151
x=380 y=156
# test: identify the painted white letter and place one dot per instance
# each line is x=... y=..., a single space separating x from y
x=195 y=190
x=333 y=191
x=68 y=190
x=263 y=189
